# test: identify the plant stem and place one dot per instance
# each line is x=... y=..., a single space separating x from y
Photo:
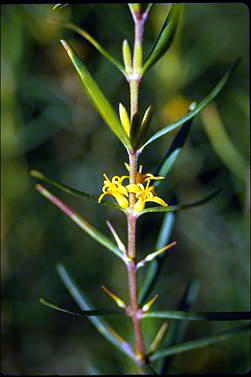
x=134 y=82
x=132 y=268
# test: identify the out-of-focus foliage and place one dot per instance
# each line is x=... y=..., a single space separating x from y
x=49 y=124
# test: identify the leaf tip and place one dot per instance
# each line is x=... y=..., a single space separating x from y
x=39 y=188
x=65 y=45
x=36 y=174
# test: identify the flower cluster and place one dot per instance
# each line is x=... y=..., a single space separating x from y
x=143 y=193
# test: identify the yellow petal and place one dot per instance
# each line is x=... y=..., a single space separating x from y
x=158 y=200
x=101 y=197
x=123 y=190
x=139 y=206
x=122 y=201
x=133 y=188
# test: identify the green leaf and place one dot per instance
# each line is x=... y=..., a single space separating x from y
x=146 y=121
x=96 y=312
x=196 y=110
x=90 y=39
x=101 y=103
x=177 y=328
x=165 y=37
x=222 y=143
x=179 y=207
x=153 y=270
x=148 y=8
x=59 y=6
x=81 y=222
x=100 y=324
x=173 y=151
x=200 y=316
x=37 y=174
x=198 y=343
x=135 y=129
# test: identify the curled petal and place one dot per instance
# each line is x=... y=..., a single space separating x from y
x=101 y=196
x=149 y=176
x=158 y=200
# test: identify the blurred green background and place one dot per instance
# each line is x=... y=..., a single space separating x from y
x=49 y=124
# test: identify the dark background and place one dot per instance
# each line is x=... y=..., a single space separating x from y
x=49 y=124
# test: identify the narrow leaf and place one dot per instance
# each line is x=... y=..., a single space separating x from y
x=178 y=328
x=95 y=312
x=55 y=307
x=197 y=109
x=179 y=207
x=101 y=103
x=119 y=243
x=135 y=129
x=81 y=222
x=155 y=254
x=99 y=323
x=124 y=118
x=200 y=316
x=148 y=8
x=165 y=37
x=37 y=174
x=222 y=143
x=127 y=56
x=198 y=343
x=145 y=124
x=116 y=299
x=89 y=38
x=173 y=151
x=59 y=6
x=158 y=338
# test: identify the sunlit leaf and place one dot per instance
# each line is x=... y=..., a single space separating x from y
x=197 y=109
x=101 y=103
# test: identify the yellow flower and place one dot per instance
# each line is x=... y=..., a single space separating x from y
x=141 y=178
x=115 y=188
x=144 y=194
